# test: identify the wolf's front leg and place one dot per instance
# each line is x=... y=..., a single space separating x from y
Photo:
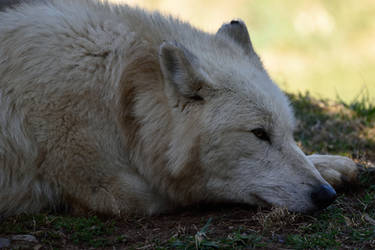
x=336 y=170
x=115 y=195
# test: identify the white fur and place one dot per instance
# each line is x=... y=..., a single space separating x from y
x=91 y=116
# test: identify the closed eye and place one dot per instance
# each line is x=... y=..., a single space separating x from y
x=196 y=98
x=261 y=134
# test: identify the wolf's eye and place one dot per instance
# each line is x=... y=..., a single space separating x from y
x=196 y=98
x=261 y=134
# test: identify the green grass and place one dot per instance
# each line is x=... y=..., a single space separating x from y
x=332 y=127
x=336 y=128
x=363 y=107
x=51 y=229
x=234 y=240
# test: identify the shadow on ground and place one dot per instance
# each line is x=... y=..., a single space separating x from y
x=334 y=128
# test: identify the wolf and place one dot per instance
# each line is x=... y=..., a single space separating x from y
x=116 y=110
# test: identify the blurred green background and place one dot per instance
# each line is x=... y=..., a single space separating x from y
x=326 y=47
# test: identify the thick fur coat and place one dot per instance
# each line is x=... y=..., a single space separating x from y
x=117 y=110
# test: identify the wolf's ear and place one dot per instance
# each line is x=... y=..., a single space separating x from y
x=181 y=70
x=237 y=31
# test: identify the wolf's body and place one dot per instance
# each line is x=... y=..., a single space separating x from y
x=117 y=110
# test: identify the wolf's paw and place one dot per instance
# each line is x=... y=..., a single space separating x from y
x=98 y=201
x=336 y=170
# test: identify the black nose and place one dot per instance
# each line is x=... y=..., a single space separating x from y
x=323 y=196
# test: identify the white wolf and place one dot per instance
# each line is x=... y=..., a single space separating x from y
x=117 y=110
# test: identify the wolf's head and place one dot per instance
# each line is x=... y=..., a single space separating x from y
x=233 y=127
